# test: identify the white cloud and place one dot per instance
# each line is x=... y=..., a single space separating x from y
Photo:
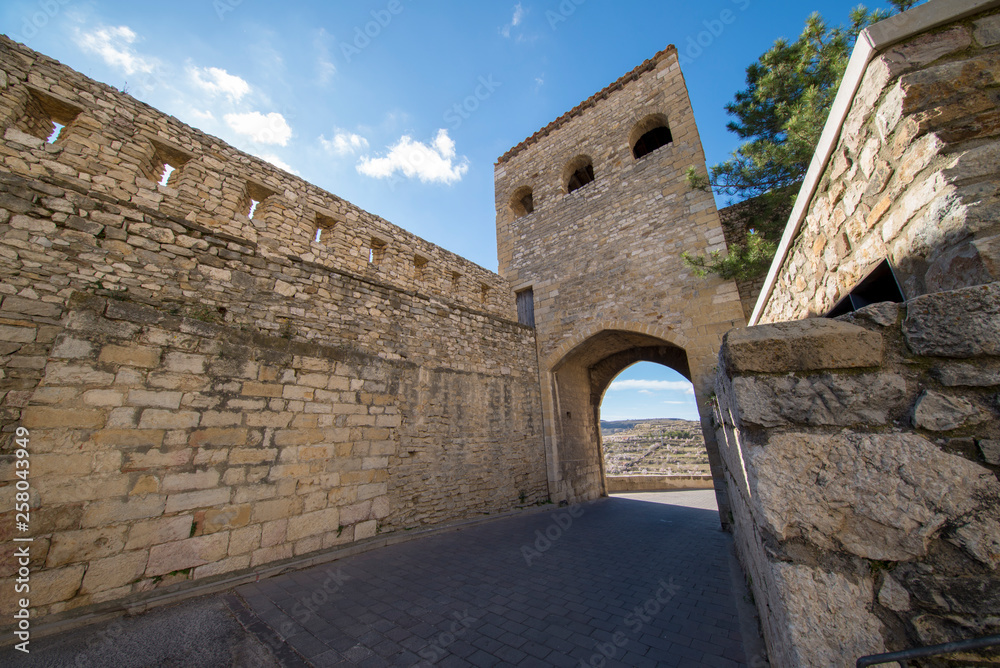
x=113 y=45
x=430 y=163
x=324 y=64
x=264 y=129
x=218 y=81
x=653 y=385
x=205 y=115
x=514 y=21
x=344 y=143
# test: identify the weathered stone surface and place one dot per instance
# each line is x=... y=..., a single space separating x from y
x=835 y=400
x=188 y=553
x=161 y=530
x=56 y=584
x=974 y=595
x=113 y=572
x=878 y=496
x=991 y=451
x=311 y=524
x=804 y=345
x=967 y=375
x=939 y=412
x=826 y=615
x=987 y=31
x=980 y=537
x=893 y=596
x=960 y=323
x=85 y=545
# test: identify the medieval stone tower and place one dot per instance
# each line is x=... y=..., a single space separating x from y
x=593 y=212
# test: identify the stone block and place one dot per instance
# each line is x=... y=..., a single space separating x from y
x=175 y=362
x=114 y=511
x=987 y=30
x=85 y=545
x=244 y=540
x=217 y=519
x=804 y=345
x=56 y=584
x=364 y=530
x=823 y=614
x=276 y=509
x=255 y=389
x=958 y=323
x=188 y=553
x=31 y=307
x=991 y=451
x=252 y=455
x=876 y=496
x=114 y=572
x=939 y=412
x=214 y=437
x=138 y=356
x=59 y=373
x=128 y=438
x=182 y=482
x=155 y=418
x=205 y=498
x=44 y=417
x=311 y=524
x=967 y=375
x=355 y=513
x=892 y=595
x=266 y=555
x=163 y=530
x=68 y=347
x=828 y=400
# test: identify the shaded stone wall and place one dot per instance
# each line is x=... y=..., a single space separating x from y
x=604 y=261
x=208 y=393
x=912 y=178
x=864 y=475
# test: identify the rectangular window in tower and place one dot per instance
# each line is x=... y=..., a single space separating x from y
x=526 y=307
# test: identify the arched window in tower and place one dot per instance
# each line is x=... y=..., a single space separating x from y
x=580 y=173
x=650 y=134
x=522 y=202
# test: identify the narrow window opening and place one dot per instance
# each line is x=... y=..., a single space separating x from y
x=581 y=177
x=456 y=279
x=484 y=293
x=652 y=140
x=57 y=129
x=526 y=307
x=880 y=285
x=419 y=267
x=256 y=200
x=253 y=208
x=168 y=171
x=376 y=252
x=528 y=202
x=324 y=225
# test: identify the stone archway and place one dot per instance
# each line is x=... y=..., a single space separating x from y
x=575 y=388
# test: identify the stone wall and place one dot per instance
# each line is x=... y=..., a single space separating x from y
x=656 y=483
x=207 y=393
x=603 y=261
x=912 y=177
x=864 y=475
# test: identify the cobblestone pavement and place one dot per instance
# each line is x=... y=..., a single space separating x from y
x=633 y=580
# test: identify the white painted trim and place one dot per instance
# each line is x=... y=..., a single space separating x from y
x=870 y=42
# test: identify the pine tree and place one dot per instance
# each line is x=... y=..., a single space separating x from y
x=779 y=116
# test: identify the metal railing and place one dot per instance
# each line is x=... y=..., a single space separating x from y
x=931 y=650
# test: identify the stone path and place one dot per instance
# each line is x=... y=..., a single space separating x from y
x=634 y=580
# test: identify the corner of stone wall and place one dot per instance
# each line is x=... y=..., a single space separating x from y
x=864 y=475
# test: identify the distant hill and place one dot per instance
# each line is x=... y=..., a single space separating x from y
x=663 y=446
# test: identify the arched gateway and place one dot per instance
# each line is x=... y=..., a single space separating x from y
x=600 y=262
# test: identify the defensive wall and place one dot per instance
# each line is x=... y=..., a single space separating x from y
x=208 y=392
x=593 y=212
x=863 y=453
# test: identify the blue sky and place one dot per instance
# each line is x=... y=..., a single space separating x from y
x=403 y=106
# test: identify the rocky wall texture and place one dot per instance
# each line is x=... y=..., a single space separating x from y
x=864 y=475
x=912 y=178
x=207 y=393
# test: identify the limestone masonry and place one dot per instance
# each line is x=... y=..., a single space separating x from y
x=207 y=392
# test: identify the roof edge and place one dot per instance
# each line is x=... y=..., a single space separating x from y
x=633 y=75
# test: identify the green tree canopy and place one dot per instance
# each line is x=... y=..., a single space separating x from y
x=779 y=117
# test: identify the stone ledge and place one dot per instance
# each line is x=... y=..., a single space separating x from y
x=804 y=345
x=957 y=323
